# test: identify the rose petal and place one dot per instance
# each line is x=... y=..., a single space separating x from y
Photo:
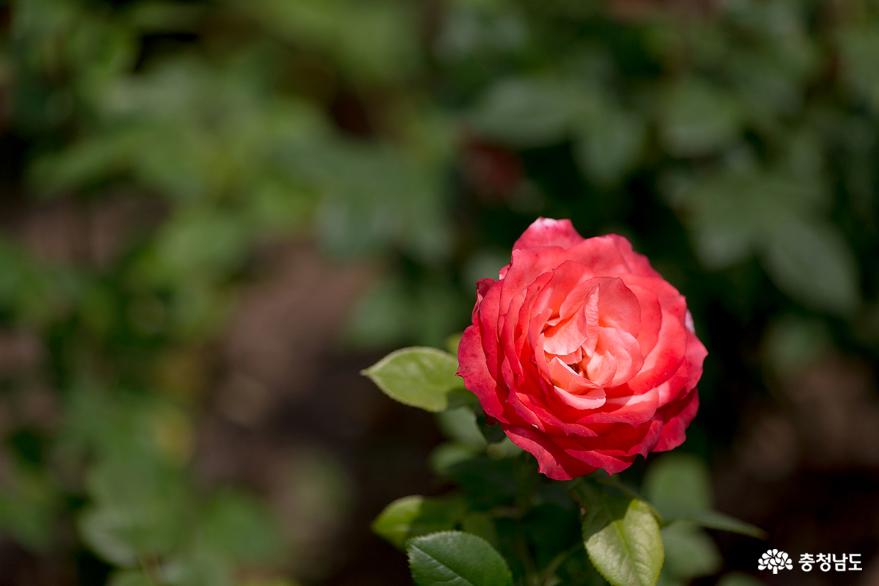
x=548 y=232
x=677 y=416
x=591 y=400
x=472 y=368
x=552 y=461
x=618 y=306
x=616 y=359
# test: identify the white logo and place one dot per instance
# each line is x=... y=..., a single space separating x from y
x=775 y=560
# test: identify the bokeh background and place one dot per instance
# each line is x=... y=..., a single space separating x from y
x=213 y=215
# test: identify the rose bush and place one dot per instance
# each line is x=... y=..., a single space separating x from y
x=582 y=352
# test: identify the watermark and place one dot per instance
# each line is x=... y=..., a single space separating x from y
x=776 y=560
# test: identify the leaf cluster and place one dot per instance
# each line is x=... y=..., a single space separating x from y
x=503 y=524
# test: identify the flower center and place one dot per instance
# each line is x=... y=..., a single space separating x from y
x=593 y=335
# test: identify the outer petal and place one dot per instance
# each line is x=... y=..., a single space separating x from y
x=637 y=264
x=487 y=317
x=548 y=232
x=472 y=368
x=666 y=356
x=610 y=256
x=552 y=460
x=677 y=416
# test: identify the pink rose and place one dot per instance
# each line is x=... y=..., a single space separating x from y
x=582 y=352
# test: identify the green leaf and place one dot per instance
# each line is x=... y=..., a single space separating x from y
x=372 y=42
x=859 y=49
x=454 y=558
x=413 y=516
x=105 y=532
x=724 y=210
x=622 y=537
x=481 y=525
x=721 y=522
x=609 y=144
x=503 y=449
x=810 y=261
x=460 y=425
x=689 y=552
x=698 y=118
x=487 y=482
x=448 y=457
x=239 y=529
x=527 y=112
x=196 y=567
x=678 y=485
x=418 y=377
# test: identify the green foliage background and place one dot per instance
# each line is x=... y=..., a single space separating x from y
x=735 y=144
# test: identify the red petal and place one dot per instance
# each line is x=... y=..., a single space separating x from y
x=552 y=461
x=677 y=416
x=548 y=232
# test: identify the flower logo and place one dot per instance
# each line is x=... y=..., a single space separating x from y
x=774 y=560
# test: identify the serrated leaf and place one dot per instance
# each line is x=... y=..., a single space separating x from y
x=413 y=516
x=455 y=558
x=622 y=537
x=418 y=377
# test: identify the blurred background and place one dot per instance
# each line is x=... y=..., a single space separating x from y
x=213 y=215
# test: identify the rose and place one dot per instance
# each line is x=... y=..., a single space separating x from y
x=582 y=352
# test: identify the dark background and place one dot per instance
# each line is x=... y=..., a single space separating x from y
x=213 y=215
